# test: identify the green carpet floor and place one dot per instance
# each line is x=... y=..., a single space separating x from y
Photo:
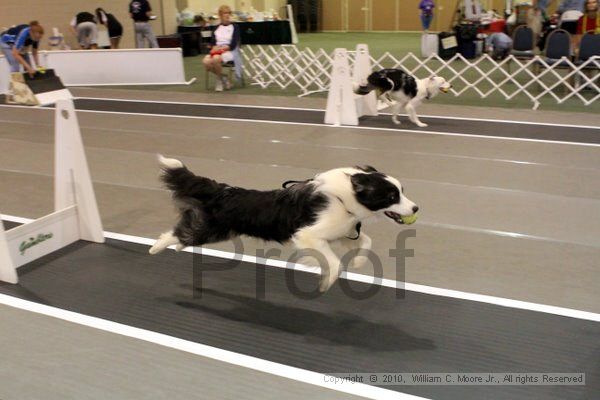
x=397 y=44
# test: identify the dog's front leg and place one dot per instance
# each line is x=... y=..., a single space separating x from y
x=412 y=115
x=395 y=111
x=360 y=249
x=324 y=254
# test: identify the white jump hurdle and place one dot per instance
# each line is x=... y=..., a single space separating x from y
x=76 y=213
x=344 y=107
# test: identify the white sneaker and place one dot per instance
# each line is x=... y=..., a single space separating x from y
x=226 y=83
x=218 y=86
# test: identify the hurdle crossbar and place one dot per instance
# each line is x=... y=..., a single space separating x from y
x=76 y=215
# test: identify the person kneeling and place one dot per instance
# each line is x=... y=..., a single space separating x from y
x=226 y=38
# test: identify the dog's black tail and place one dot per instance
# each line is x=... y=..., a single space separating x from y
x=377 y=80
x=363 y=89
x=184 y=184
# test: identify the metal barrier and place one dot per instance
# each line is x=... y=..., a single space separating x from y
x=287 y=66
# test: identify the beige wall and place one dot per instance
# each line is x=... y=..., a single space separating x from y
x=210 y=6
x=58 y=13
x=392 y=15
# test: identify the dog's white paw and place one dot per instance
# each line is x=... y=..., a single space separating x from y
x=326 y=283
x=157 y=248
x=358 y=262
x=422 y=125
x=396 y=121
x=179 y=247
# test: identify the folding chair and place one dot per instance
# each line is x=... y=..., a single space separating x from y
x=523 y=44
x=558 y=46
x=588 y=47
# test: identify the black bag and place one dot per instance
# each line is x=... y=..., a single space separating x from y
x=466 y=32
x=448 y=45
x=468 y=49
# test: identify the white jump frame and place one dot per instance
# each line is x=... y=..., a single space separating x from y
x=76 y=213
x=344 y=107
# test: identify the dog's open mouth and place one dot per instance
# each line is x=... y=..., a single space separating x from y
x=444 y=90
x=395 y=216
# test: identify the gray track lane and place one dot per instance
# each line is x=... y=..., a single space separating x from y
x=332 y=333
x=467 y=127
x=45 y=358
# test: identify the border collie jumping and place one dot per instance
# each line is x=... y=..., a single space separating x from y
x=310 y=214
x=398 y=89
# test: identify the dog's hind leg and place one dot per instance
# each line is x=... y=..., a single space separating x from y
x=412 y=115
x=395 y=111
x=165 y=240
x=358 y=251
x=319 y=249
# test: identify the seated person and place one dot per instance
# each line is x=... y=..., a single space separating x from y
x=498 y=44
x=547 y=28
x=590 y=20
x=226 y=38
x=570 y=11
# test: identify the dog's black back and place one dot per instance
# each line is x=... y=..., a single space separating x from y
x=390 y=79
x=213 y=211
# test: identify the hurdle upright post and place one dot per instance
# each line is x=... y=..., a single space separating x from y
x=75 y=216
x=72 y=180
x=367 y=104
x=341 y=106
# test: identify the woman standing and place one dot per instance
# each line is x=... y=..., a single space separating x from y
x=112 y=24
x=15 y=42
x=426 y=7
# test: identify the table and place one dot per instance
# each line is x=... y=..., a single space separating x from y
x=267 y=32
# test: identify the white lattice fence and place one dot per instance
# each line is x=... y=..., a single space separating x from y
x=310 y=71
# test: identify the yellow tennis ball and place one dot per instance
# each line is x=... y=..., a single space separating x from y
x=409 y=219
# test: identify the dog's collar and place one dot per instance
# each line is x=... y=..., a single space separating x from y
x=428 y=94
x=344 y=204
x=358 y=224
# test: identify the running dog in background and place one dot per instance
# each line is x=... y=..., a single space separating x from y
x=399 y=89
x=310 y=214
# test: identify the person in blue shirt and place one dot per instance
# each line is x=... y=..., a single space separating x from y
x=499 y=44
x=15 y=42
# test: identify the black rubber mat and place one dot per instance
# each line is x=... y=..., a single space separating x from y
x=43 y=82
x=392 y=331
x=468 y=127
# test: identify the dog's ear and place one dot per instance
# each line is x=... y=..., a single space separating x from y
x=361 y=183
x=366 y=168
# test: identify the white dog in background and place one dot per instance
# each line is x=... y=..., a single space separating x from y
x=400 y=90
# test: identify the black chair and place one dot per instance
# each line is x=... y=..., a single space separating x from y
x=523 y=43
x=558 y=46
x=588 y=47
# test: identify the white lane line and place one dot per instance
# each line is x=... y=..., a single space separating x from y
x=215 y=353
x=352 y=276
x=399 y=131
x=321 y=110
x=330 y=146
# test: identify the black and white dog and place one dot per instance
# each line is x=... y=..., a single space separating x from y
x=399 y=89
x=311 y=214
